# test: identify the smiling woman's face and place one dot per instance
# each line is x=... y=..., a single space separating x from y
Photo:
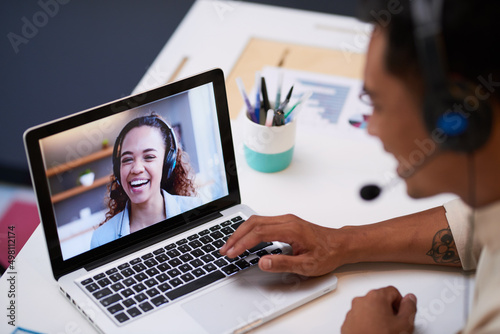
x=141 y=163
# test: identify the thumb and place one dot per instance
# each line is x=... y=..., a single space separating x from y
x=408 y=309
x=282 y=263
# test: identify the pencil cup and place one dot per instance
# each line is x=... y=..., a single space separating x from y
x=269 y=149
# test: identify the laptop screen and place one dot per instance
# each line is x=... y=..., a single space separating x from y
x=157 y=157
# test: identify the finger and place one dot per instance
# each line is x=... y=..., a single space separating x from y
x=284 y=263
x=255 y=230
x=265 y=233
x=394 y=297
x=390 y=295
x=242 y=230
x=407 y=310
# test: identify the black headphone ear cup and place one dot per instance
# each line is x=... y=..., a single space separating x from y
x=171 y=154
x=170 y=161
x=453 y=112
x=458 y=116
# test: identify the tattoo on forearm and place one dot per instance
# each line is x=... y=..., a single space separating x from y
x=443 y=248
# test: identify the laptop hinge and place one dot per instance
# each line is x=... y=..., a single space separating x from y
x=140 y=245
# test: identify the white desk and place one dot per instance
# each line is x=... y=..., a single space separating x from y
x=318 y=186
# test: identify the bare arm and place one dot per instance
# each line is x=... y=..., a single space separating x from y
x=423 y=237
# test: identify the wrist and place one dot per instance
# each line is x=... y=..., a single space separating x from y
x=358 y=244
x=347 y=245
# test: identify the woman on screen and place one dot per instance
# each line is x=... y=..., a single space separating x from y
x=151 y=180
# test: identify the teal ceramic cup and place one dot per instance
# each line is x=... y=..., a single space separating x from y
x=269 y=149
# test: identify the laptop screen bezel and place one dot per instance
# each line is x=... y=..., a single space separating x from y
x=156 y=232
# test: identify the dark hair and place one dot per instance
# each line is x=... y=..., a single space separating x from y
x=176 y=177
x=470 y=33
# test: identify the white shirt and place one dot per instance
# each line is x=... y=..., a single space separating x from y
x=481 y=252
x=119 y=225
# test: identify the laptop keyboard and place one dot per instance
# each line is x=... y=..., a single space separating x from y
x=152 y=280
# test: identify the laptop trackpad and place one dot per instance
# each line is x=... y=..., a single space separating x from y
x=229 y=307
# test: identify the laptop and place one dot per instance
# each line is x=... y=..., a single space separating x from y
x=136 y=197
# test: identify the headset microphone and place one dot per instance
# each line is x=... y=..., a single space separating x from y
x=371 y=191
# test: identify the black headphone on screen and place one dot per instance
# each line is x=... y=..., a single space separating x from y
x=450 y=107
x=154 y=121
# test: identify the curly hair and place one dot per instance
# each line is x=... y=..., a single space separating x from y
x=179 y=182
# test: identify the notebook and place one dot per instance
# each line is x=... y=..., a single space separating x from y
x=136 y=197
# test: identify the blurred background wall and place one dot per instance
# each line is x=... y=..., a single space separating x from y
x=58 y=57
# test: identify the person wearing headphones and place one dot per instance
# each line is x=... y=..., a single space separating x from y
x=432 y=74
x=151 y=180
